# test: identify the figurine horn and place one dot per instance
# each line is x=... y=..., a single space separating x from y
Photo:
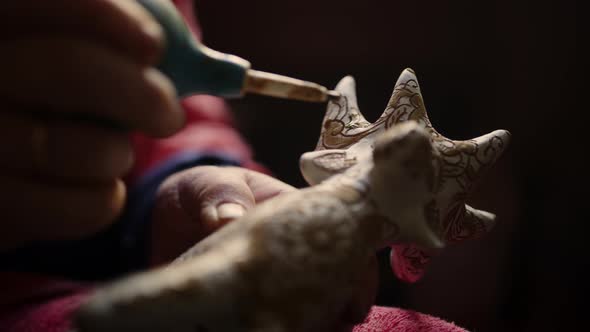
x=491 y=146
x=472 y=223
x=347 y=88
x=483 y=219
x=343 y=123
x=316 y=166
x=406 y=102
x=346 y=107
x=482 y=153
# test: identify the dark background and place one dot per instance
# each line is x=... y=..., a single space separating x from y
x=482 y=66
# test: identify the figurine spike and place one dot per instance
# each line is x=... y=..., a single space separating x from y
x=347 y=88
x=460 y=165
x=406 y=102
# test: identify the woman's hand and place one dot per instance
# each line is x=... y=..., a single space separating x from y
x=196 y=202
x=67 y=68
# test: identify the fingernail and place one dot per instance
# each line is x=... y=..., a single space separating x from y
x=229 y=211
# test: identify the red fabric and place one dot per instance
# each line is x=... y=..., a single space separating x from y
x=408 y=262
x=36 y=303
x=209 y=128
x=381 y=319
x=46 y=305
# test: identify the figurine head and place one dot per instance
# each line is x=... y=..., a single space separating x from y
x=402 y=182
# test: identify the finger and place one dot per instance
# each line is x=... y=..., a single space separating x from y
x=62 y=149
x=199 y=201
x=230 y=191
x=264 y=187
x=86 y=79
x=40 y=211
x=123 y=25
x=215 y=195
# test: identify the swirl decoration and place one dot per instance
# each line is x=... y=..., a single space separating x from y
x=460 y=164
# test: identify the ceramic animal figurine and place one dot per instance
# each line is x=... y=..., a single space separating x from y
x=347 y=138
x=290 y=261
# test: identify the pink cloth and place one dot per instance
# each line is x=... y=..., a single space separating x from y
x=32 y=303
x=382 y=319
x=408 y=262
x=36 y=303
x=209 y=128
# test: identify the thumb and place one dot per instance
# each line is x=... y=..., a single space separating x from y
x=215 y=197
x=192 y=204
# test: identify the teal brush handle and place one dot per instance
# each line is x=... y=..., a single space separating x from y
x=193 y=67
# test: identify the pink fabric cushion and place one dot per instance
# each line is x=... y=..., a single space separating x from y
x=41 y=304
x=382 y=319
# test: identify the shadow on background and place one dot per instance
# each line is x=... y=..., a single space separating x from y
x=482 y=66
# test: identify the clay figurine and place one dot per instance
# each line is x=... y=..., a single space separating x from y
x=292 y=260
x=347 y=138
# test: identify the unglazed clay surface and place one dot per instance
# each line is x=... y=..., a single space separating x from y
x=295 y=259
x=347 y=139
x=292 y=260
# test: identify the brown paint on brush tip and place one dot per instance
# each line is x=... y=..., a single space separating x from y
x=280 y=86
x=308 y=92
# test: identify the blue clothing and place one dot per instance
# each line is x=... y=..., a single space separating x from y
x=120 y=249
